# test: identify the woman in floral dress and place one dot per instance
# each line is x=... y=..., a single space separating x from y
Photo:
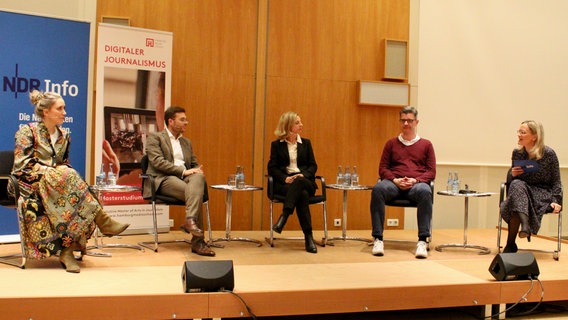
x=58 y=212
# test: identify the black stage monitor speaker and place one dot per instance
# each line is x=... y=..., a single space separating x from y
x=207 y=276
x=514 y=266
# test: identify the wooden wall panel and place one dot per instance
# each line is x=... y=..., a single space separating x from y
x=316 y=51
x=333 y=39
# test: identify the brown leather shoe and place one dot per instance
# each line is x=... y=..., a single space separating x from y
x=202 y=249
x=190 y=226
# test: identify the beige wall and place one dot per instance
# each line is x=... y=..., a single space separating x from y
x=485 y=66
x=84 y=10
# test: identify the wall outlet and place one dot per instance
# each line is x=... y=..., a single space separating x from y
x=337 y=222
x=171 y=222
x=392 y=222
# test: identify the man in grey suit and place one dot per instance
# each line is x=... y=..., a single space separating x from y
x=178 y=174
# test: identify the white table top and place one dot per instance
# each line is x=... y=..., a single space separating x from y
x=344 y=187
x=473 y=194
x=114 y=188
x=233 y=188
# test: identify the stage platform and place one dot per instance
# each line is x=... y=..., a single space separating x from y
x=278 y=281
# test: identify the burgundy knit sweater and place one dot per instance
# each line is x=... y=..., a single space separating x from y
x=415 y=161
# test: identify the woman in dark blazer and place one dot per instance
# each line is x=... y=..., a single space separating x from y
x=293 y=167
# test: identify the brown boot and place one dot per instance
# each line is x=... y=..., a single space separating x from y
x=68 y=261
x=190 y=226
x=108 y=226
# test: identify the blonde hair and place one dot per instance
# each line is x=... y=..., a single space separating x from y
x=43 y=101
x=537 y=129
x=287 y=120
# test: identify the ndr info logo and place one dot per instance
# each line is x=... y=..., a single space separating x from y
x=23 y=84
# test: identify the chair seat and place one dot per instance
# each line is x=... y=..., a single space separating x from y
x=9 y=203
x=406 y=203
x=160 y=198
x=502 y=196
x=6 y=163
x=316 y=199
x=401 y=203
x=311 y=200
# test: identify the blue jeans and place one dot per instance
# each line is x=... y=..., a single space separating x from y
x=386 y=190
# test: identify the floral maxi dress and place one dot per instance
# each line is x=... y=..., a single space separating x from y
x=56 y=207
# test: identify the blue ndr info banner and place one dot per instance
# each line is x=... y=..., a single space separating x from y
x=47 y=54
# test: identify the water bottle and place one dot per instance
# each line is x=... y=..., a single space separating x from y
x=101 y=177
x=456 y=183
x=339 y=179
x=111 y=178
x=240 y=177
x=354 y=177
x=450 y=185
x=347 y=177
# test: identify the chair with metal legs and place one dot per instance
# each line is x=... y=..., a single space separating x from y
x=555 y=252
x=6 y=200
x=405 y=203
x=157 y=198
x=316 y=199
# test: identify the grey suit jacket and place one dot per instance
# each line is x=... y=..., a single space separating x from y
x=161 y=159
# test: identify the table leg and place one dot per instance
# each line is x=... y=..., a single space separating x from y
x=465 y=245
x=99 y=242
x=344 y=222
x=228 y=214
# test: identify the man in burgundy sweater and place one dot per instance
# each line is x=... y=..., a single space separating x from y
x=408 y=164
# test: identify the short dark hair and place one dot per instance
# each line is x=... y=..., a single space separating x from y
x=409 y=109
x=170 y=113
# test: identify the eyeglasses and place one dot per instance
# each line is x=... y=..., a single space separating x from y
x=522 y=132
x=410 y=121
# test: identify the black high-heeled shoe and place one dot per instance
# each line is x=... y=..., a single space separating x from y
x=310 y=244
x=279 y=225
x=525 y=227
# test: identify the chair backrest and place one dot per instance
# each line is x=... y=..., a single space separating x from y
x=144 y=163
x=6 y=162
x=319 y=197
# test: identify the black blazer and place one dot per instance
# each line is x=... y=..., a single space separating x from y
x=280 y=159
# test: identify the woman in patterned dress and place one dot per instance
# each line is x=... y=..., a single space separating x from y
x=58 y=211
x=531 y=194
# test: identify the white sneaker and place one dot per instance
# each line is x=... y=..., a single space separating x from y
x=421 y=250
x=378 y=248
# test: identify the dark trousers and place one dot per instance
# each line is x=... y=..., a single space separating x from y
x=386 y=190
x=297 y=196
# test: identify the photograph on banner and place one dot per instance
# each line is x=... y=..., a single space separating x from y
x=133 y=109
x=133 y=88
x=35 y=65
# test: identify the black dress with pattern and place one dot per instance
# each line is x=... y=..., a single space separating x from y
x=532 y=193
